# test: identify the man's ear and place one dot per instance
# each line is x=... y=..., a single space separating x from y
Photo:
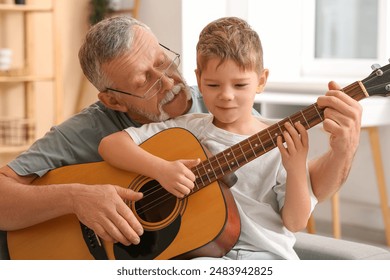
x=262 y=80
x=111 y=101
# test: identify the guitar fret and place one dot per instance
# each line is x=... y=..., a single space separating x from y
x=207 y=175
x=212 y=167
x=227 y=161
x=254 y=152
x=239 y=145
x=234 y=157
x=271 y=137
x=200 y=176
x=303 y=115
x=281 y=131
x=261 y=142
x=291 y=122
x=196 y=177
x=318 y=113
x=219 y=165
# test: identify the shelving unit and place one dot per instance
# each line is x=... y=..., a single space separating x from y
x=27 y=76
x=133 y=11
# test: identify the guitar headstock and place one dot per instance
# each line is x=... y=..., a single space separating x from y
x=378 y=82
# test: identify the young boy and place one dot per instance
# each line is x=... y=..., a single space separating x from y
x=272 y=193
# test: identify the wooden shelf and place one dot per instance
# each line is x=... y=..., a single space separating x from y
x=25 y=8
x=13 y=149
x=27 y=78
x=10 y=143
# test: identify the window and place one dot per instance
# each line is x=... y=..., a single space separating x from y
x=343 y=37
x=346 y=29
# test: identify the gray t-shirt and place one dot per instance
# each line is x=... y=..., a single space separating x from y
x=77 y=139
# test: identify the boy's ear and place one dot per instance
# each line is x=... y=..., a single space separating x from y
x=111 y=101
x=262 y=80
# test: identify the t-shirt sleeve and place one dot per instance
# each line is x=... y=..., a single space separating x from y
x=74 y=141
x=141 y=134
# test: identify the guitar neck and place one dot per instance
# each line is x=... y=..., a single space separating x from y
x=229 y=160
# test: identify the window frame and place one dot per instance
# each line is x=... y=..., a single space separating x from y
x=345 y=68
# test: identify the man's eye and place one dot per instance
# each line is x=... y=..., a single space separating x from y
x=162 y=62
x=145 y=80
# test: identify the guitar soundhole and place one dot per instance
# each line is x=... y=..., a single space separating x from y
x=157 y=204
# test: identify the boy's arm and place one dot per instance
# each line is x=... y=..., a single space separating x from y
x=297 y=206
x=121 y=151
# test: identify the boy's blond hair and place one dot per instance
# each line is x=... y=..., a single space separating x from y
x=230 y=38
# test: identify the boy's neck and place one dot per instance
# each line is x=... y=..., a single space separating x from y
x=254 y=125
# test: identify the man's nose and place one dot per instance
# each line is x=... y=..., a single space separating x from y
x=166 y=82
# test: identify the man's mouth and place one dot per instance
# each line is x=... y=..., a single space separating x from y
x=170 y=96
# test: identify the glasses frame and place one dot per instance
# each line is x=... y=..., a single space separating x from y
x=177 y=57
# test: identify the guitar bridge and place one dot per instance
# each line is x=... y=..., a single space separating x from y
x=93 y=243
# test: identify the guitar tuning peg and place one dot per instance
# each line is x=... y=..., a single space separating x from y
x=376 y=67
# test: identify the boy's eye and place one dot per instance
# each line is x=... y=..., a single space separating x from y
x=241 y=85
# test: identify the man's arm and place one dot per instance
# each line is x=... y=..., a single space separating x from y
x=23 y=205
x=342 y=121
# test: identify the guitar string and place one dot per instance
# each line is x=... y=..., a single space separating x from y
x=155 y=203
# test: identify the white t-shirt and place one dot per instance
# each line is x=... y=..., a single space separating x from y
x=259 y=192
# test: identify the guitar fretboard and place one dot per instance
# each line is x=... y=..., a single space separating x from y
x=229 y=160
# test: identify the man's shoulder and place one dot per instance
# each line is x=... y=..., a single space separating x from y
x=99 y=115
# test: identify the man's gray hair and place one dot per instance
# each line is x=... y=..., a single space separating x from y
x=106 y=40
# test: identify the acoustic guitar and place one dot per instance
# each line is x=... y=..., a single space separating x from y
x=205 y=223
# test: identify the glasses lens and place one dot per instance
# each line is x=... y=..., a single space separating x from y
x=154 y=89
x=169 y=72
x=172 y=68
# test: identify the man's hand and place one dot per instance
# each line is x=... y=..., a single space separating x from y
x=102 y=209
x=342 y=120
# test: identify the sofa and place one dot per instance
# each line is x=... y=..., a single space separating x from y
x=308 y=247
x=317 y=247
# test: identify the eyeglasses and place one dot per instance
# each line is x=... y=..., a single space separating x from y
x=167 y=70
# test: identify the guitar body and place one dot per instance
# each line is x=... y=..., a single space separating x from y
x=206 y=223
